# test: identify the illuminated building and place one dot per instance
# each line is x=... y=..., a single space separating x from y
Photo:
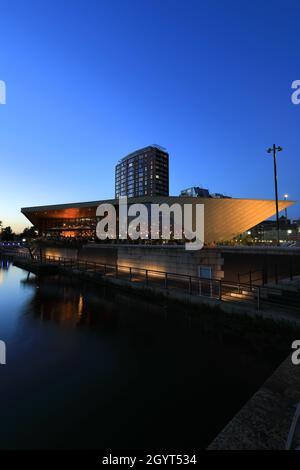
x=224 y=218
x=144 y=172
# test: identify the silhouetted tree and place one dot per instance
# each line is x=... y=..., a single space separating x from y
x=29 y=232
x=7 y=234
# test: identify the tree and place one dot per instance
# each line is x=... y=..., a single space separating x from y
x=29 y=232
x=7 y=234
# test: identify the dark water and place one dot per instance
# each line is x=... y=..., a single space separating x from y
x=94 y=368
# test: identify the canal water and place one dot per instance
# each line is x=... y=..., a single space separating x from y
x=91 y=367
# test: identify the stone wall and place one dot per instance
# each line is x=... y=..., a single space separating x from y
x=58 y=251
x=173 y=259
x=107 y=254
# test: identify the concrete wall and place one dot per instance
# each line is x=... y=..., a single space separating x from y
x=59 y=252
x=225 y=262
x=173 y=259
x=107 y=254
x=281 y=265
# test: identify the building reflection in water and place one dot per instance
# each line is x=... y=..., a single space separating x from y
x=69 y=303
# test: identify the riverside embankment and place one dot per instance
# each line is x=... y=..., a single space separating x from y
x=227 y=296
x=133 y=372
x=258 y=423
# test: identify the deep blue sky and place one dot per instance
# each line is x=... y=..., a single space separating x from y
x=90 y=81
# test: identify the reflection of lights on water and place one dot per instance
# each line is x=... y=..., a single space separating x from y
x=1 y=277
x=80 y=305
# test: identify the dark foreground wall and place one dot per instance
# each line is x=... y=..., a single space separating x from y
x=262 y=266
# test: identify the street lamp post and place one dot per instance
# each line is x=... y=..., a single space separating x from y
x=273 y=150
x=285 y=210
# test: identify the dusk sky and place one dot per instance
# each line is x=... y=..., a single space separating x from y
x=90 y=81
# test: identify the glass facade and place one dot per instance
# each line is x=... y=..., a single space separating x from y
x=68 y=227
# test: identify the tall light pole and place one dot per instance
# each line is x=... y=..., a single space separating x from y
x=273 y=150
x=285 y=210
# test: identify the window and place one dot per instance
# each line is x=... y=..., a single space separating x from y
x=205 y=272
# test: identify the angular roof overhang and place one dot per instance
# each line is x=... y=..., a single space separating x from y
x=224 y=218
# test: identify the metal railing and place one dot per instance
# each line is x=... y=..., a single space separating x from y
x=182 y=283
x=273 y=273
x=252 y=276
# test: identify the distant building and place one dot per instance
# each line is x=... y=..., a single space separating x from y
x=266 y=231
x=196 y=191
x=297 y=222
x=144 y=172
x=220 y=196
